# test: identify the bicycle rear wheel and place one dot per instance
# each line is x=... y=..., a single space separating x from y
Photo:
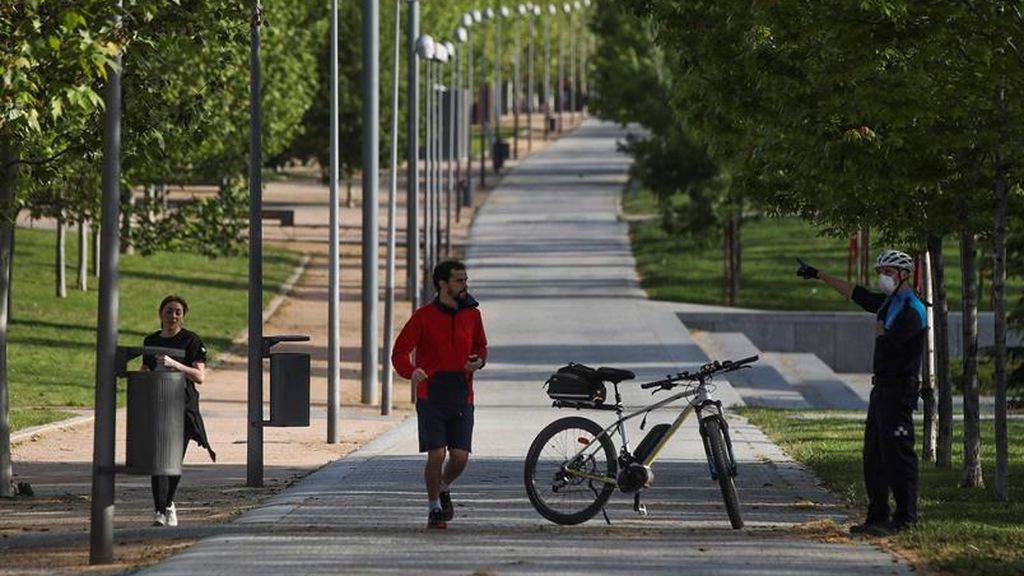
x=720 y=460
x=570 y=470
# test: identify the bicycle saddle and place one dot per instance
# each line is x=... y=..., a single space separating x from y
x=615 y=375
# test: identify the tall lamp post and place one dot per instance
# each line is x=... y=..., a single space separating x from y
x=467 y=22
x=425 y=51
x=530 y=84
x=573 y=38
x=561 y=71
x=389 y=273
x=548 y=116
x=412 y=185
x=371 y=207
x=516 y=84
x=486 y=117
x=462 y=122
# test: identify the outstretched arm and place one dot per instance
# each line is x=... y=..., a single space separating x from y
x=809 y=272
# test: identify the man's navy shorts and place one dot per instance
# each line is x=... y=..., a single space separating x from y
x=444 y=425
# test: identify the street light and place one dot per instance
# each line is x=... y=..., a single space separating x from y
x=389 y=266
x=452 y=101
x=530 y=79
x=548 y=117
x=462 y=35
x=425 y=48
x=516 y=84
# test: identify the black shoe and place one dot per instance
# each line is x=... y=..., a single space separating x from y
x=435 y=521
x=446 y=505
x=879 y=529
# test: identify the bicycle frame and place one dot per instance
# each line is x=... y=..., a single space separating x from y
x=700 y=401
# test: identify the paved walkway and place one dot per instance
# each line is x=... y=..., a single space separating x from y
x=551 y=265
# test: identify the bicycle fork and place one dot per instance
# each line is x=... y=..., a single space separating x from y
x=723 y=425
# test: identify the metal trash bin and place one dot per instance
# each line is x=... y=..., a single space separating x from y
x=499 y=154
x=155 y=433
x=289 y=389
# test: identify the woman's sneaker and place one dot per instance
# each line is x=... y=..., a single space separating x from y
x=159 y=519
x=446 y=505
x=436 y=521
x=172 y=515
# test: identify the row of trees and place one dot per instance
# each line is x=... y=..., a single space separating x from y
x=895 y=116
x=185 y=115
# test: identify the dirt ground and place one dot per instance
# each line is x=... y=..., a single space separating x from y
x=48 y=533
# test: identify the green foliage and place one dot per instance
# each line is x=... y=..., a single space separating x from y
x=45 y=334
x=209 y=226
x=961 y=530
x=679 y=268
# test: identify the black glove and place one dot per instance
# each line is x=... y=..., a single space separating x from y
x=806 y=271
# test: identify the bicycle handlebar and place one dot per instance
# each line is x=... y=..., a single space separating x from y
x=704 y=372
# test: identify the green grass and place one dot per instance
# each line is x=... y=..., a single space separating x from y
x=961 y=531
x=52 y=341
x=676 y=269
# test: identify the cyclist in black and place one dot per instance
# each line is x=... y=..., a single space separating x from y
x=890 y=463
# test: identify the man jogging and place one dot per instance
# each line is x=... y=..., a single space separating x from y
x=439 y=348
x=890 y=463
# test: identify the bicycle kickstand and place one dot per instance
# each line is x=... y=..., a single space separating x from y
x=605 y=512
x=637 y=506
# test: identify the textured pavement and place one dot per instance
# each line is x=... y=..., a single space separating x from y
x=550 y=263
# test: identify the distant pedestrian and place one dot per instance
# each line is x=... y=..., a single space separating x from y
x=439 y=349
x=890 y=463
x=172 y=334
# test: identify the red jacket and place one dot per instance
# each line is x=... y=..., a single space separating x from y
x=440 y=340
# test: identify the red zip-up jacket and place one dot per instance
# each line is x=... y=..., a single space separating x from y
x=440 y=340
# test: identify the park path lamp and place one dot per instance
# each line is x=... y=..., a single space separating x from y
x=560 y=102
x=452 y=102
x=499 y=87
x=462 y=176
x=487 y=112
x=371 y=195
x=467 y=22
x=574 y=24
x=517 y=85
x=389 y=265
x=441 y=59
x=548 y=115
x=425 y=51
x=334 y=256
x=101 y=517
x=412 y=184
x=530 y=79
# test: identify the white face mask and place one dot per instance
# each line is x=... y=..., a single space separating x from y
x=887 y=283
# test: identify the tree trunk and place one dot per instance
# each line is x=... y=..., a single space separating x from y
x=727 y=264
x=95 y=245
x=865 y=257
x=734 y=261
x=83 y=254
x=928 y=436
x=60 y=258
x=999 y=311
x=127 y=212
x=8 y=177
x=972 y=477
x=943 y=375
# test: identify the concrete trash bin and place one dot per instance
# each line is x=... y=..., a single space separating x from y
x=155 y=432
x=289 y=389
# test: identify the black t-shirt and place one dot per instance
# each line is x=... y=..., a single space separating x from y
x=195 y=350
x=899 y=344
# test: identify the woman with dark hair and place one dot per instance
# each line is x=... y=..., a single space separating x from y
x=172 y=334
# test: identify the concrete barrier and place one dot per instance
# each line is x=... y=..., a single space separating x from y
x=843 y=340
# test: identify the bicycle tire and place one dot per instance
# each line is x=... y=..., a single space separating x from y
x=567 y=499
x=720 y=459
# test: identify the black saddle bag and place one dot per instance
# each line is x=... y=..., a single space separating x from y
x=577 y=383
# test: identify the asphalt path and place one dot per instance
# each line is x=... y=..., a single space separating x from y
x=549 y=260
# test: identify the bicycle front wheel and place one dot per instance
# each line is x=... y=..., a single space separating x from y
x=719 y=454
x=570 y=470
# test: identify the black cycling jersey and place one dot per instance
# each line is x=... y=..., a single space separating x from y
x=899 y=345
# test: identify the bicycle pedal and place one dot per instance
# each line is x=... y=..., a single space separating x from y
x=637 y=506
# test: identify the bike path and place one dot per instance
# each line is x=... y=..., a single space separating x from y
x=550 y=262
